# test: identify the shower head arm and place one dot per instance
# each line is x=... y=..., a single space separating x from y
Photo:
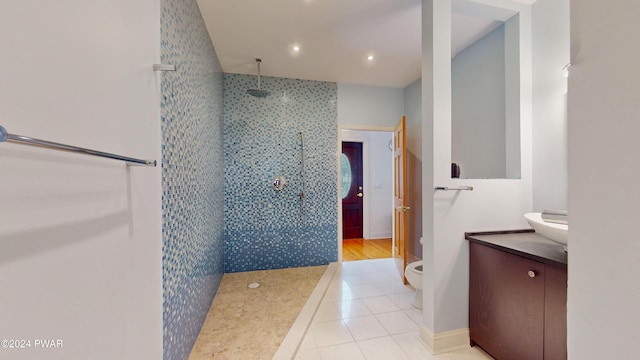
x=259 y=61
x=258 y=92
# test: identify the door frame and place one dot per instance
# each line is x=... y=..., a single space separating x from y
x=365 y=174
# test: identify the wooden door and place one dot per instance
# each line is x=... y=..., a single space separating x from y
x=506 y=304
x=400 y=197
x=351 y=172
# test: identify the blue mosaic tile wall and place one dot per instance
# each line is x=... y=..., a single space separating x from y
x=265 y=228
x=192 y=157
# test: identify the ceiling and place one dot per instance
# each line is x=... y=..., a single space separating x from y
x=335 y=38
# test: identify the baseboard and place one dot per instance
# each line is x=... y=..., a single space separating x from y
x=445 y=341
x=378 y=236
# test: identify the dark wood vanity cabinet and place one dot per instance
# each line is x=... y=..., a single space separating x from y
x=517 y=306
x=555 y=313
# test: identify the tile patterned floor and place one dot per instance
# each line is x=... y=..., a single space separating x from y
x=366 y=314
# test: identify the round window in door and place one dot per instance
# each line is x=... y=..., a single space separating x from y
x=345 y=166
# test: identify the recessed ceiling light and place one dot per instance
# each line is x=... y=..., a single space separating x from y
x=294 y=49
x=369 y=60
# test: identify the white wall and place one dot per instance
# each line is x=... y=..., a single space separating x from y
x=369 y=106
x=604 y=201
x=432 y=31
x=550 y=55
x=380 y=185
x=81 y=236
x=377 y=182
x=494 y=203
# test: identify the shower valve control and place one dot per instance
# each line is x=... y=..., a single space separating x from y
x=278 y=183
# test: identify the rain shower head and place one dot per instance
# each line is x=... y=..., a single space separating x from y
x=259 y=93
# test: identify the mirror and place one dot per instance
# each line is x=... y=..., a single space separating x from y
x=485 y=94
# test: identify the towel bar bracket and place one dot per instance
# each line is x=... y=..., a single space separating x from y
x=446 y=188
x=164 y=67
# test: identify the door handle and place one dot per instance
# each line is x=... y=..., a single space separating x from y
x=404 y=208
x=359 y=195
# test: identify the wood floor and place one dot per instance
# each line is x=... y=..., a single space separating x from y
x=360 y=249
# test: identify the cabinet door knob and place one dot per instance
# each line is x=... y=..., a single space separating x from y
x=532 y=273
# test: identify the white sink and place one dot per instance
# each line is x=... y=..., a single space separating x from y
x=556 y=232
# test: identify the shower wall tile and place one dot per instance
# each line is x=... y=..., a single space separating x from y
x=265 y=228
x=192 y=158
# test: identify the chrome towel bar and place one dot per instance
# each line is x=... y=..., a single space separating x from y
x=25 y=140
x=446 y=188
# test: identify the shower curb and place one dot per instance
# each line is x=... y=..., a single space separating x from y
x=298 y=330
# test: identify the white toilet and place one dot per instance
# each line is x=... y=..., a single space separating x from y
x=413 y=273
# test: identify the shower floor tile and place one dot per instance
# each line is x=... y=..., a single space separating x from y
x=245 y=323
